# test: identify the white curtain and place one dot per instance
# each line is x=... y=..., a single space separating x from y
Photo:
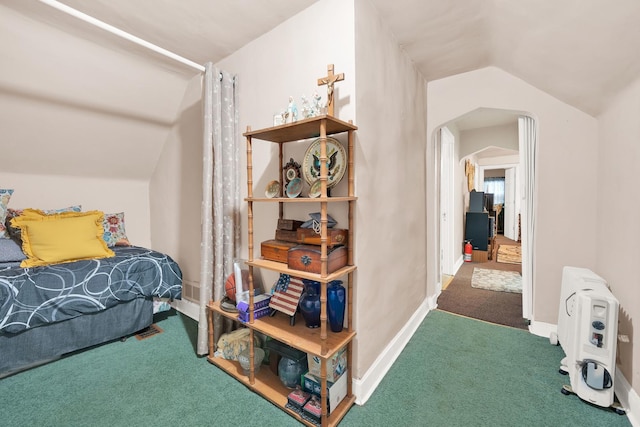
x=220 y=193
x=495 y=186
x=527 y=136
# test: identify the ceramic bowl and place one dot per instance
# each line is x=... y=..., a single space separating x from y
x=243 y=358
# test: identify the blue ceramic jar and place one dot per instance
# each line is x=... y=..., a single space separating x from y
x=310 y=303
x=290 y=371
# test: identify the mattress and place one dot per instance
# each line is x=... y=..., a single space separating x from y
x=31 y=297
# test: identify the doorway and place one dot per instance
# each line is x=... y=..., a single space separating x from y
x=486 y=126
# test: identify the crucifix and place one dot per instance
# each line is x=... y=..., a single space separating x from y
x=329 y=80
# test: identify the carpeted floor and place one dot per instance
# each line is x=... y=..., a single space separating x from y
x=502 y=308
x=454 y=371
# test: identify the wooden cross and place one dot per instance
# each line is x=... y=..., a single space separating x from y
x=329 y=81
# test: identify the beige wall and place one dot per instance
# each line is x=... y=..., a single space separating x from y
x=567 y=166
x=504 y=136
x=83 y=120
x=391 y=230
x=175 y=191
x=618 y=228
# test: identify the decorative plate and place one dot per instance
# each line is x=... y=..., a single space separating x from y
x=294 y=187
x=273 y=189
x=316 y=189
x=336 y=162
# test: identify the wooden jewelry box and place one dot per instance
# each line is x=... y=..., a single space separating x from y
x=276 y=250
x=335 y=236
x=307 y=258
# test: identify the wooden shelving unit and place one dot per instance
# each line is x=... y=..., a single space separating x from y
x=319 y=341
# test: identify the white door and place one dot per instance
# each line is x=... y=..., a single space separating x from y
x=510 y=213
x=446 y=202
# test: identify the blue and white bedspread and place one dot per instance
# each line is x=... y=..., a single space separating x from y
x=31 y=297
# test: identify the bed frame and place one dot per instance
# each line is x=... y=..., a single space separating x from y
x=42 y=344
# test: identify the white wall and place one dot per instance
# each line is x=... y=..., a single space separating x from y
x=504 y=136
x=109 y=196
x=618 y=229
x=566 y=173
x=390 y=229
x=175 y=191
x=83 y=119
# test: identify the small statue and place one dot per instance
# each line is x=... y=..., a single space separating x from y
x=317 y=104
x=306 y=108
x=292 y=111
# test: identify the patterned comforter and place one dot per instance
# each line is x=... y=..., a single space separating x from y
x=31 y=297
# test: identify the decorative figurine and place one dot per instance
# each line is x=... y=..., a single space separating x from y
x=317 y=104
x=292 y=111
x=306 y=108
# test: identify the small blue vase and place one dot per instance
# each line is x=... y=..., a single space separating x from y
x=310 y=303
x=336 y=299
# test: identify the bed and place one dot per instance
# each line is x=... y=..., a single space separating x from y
x=53 y=308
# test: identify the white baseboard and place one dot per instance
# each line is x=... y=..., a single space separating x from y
x=364 y=387
x=543 y=329
x=458 y=264
x=628 y=398
x=187 y=308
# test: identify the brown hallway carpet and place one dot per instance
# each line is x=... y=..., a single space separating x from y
x=502 y=308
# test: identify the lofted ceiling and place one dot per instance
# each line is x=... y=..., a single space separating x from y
x=579 y=51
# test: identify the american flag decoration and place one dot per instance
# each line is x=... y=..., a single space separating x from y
x=287 y=294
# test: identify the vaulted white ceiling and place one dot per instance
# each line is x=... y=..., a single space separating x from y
x=580 y=51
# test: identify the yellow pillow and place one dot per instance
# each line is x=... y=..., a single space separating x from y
x=63 y=237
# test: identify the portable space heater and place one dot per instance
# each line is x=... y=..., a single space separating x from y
x=587 y=332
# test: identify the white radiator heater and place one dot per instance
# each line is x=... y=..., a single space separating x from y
x=587 y=332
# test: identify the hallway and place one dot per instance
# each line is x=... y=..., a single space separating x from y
x=502 y=308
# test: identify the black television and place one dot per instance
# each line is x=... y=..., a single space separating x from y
x=476 y=201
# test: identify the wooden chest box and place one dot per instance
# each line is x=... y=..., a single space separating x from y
x=275 y=250
x=289 y=224
x=335 y=236
x=479 y=256
x=287 y=235
x=307 y=258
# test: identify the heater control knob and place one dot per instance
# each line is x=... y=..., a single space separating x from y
x=598 y=325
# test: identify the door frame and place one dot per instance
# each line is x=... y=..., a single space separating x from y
x=505 y=166
x=447 y=209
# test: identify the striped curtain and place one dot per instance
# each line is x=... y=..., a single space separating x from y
x=220 y=198
x=527 y=136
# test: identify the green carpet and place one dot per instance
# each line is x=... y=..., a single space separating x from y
x=454 y=372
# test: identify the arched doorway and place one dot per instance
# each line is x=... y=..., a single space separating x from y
x=481 y=134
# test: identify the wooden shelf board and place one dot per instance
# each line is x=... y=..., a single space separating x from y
x=302 y=129
x=298 y=336
x=271 y=388
x=301 y=199
x=282 y=268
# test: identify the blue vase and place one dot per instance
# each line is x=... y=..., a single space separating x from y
x=336 y=300
x=310 y=303
x=290 y=371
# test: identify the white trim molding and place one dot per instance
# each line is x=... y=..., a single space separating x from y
x=542 y=329
x=364 y=387
x=187 y=308
x=628 y=398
